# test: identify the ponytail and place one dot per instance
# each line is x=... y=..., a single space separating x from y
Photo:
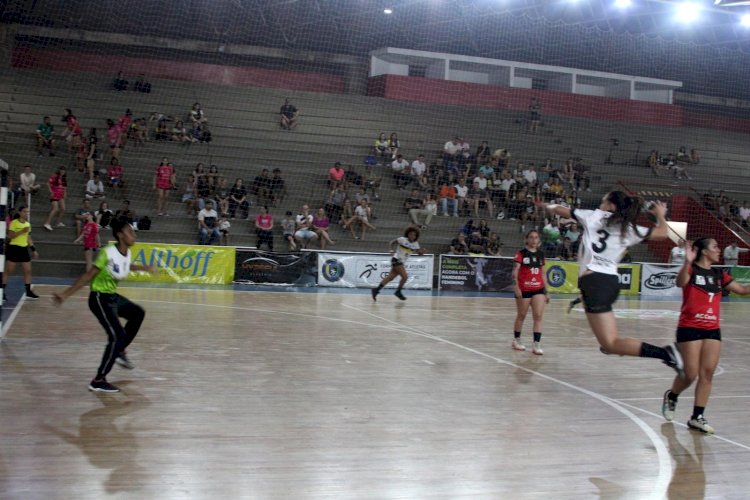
x=627 y=210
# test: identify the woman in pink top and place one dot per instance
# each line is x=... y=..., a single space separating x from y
x=58 y=185
x=90 y=238
x=164 y=181
x=321 y=223
x=264 y=228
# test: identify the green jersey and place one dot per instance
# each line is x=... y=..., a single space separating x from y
x=113 y=266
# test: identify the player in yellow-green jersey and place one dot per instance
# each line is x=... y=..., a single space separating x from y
x=112 y=265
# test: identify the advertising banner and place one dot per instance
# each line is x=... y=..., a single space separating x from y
x=184 y=263
x=258 y=267
x=562 y=277
x=476 y=274
x=741 y=274
x=659 y=280
x=355 y=270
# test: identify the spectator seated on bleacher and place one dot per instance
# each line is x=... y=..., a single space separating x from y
x=238 y=199
x=451 y=156
x=682 y=155
x=180 y=134
x=447 y=200
x=128 y=213
x=458 y=245
x=493 y=247
x=394 y=146
x=565 y=250
x=352 y=178
x=120 y=83
x=278 y=187
x=695 y=156
x=401 y=172
x=503 y=158
x=221 y=196
x=371 y=181
x=95 y=188
x=190 y=196
x=28 y=184
x=414 y=200
x=213 y=177
x=45 y=137
x=336 y=176
x=138 y=132
x=196 y=115
x=428 y=209
x=381 y=148
x=304 y=232
x=361 y=218
x=655 y=163
x=123 y=123
x=288 y=229
x=201 y=133
x=202 y=190
x=208 y=233
x=289 y=115
x=141 y=85
x=261 y=187
x=115 y=176
x=419 y=172
x=321 y=223
x=744 y=213
x=480 y=198
x=264 y=229
x=73 y=132
x=483 y=153
x=104 y=215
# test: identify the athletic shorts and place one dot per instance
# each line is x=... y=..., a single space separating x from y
x=688 y=334
x=599 y=291
x=395 y=262
x=528 y=295
x=18 y=254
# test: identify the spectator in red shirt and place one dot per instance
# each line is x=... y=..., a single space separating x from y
x=90 y=238
x=264 y=228
x=115 y=178
x=336 y=176
x=123 y=123
x=321 y=223
x=58 y=186
x=165 y=180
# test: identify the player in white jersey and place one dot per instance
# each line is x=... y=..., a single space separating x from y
x=404 y=247
x=112 y=265
x=606 y=233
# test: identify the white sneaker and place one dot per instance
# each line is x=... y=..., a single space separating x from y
x=517 y=345
x=668 y=406
x=537 y=349
x=701 y=424
x=60 y=224
x=48 y=227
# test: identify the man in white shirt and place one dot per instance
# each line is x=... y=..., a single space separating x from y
x=304 y=225
x=451 y=152
x=745 y=213
x=29 y=185
x=418 y=169
x=207 y=224
x=95 y=189
x=480 y=179
x=732 y=254
x=462 y=191
x=529 y=175
x=401 y=172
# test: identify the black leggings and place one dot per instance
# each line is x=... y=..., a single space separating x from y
x=108 y=309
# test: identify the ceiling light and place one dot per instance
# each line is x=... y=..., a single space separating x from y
x=387 y=10
x=687 y=12
x=623 y=4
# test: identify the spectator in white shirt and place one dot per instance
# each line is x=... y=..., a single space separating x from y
x=529 y=175
x=451 y=153
x=429 y=210
x=95 y=189
x=29 y=185
x=732 y=254
x=401 y=172
x=418 y=171
x=207 y=224
x=744 y=213
x=462 y=193
x=305 y=233
x=480 y=179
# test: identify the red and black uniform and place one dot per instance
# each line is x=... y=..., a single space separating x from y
x=530 y=274
x=701 y=304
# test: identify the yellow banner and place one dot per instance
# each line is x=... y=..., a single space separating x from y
x=562 y=277
x=184 y=263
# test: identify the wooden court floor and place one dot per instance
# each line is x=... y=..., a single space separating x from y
x=320 y=395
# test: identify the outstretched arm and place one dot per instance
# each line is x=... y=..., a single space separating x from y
x=555 y=209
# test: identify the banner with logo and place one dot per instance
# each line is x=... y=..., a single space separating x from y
x=258 y=267
x=184 y=263
x=355 y=270
x=476 y=274
x=660 y=280
x=741 y=274
x=562 y=277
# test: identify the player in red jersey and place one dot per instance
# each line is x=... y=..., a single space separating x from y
x=530 y=289
x=698 y=332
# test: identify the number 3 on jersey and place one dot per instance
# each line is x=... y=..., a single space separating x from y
x=601 y=245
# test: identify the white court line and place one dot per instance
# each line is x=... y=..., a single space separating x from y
x=664 y=475
x=682 y=396
x=12 y=317
x=715 y=436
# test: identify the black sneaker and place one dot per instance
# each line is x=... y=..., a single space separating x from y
x=375 y=293
x=123 y=361
x=574 y=303
x=30 y=295
x=675 y=359
x=102 y=386
x=399 y=295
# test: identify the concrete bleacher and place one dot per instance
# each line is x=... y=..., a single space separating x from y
x=334 y=127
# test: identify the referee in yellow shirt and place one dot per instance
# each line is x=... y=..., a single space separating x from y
x=20 y=249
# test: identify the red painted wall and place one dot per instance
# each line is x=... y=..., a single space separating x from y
x=701 y=223
x=176 y=70
x=477 y=95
